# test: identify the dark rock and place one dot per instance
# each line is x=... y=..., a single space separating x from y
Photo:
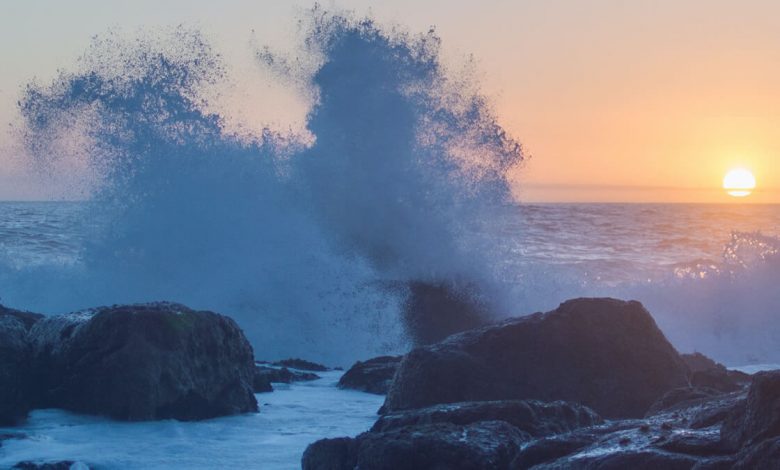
x=261 y=383
x=705 y=372
x=61 y=465
x=144 y=362
x=604 y=353
x=765 y=455
x=533 y=417
x=330 y=454
x=434 y=311
x=680 y=398
x=301 y=364
x=621 y=460
x=550 y=449
x=759 y=417
x=282 y=375
x=483 y=445
x=15 y=363
x=372 y=376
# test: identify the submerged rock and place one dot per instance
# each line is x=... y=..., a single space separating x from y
x=301 y=364
x=144 y=362
x=281 y=375
x=61 y=465
x=15 y=363
x=604 y=353
x=372 y=376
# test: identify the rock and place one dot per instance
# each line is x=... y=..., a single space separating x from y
x=532 y=417
x=707 y=373
x=144 y=362
x=301 y=364
x=261 y=383
x=372 y=376
x=434 y=311
x=620 y=460
x=62 y=465
x=765 y=455
x=483 y=445
x=550 y=449
x=758 y=418
x=282 y=375
x=15 y=363
x=604 y=353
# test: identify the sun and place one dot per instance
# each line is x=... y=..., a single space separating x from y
x=739 y=182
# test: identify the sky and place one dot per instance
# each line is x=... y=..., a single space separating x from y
x=616 y=101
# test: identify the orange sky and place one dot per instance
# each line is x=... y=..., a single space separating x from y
x=615 y=100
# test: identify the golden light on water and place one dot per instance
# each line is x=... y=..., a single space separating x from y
x=739 y=182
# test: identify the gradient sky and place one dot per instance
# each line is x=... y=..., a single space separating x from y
x=615 y=100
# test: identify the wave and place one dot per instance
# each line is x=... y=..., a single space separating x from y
x=296 y=237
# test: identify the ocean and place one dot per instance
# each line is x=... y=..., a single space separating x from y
x=706 y=272
x=309 y=237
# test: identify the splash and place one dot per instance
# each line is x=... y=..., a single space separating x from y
x=297 y=238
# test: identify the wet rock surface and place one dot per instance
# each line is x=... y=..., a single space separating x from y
x=372 y=376
x=690 y=423
x=604 y=353
x=15 y=358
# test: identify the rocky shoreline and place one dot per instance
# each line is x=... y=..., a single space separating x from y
x=593 y=384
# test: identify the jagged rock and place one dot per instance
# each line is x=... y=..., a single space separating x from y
x=282 y=375
x=758 y=418
x=483 y=445
x=434 y=311
x=144 y=362
x=765 y=455
x=301 y=364
x=15 y=363
x=372 y=376
x=530 y=416
x=604 y=353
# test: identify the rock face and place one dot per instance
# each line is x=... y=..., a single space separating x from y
x=484 y=435
x=758 y=419
x=144 y=362
x=604 y=353
x=15 y=356
x=372 y=376
x=434 y=311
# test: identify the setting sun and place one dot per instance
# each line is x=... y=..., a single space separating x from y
x=739 y=182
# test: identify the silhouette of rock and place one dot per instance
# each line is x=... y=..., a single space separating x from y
x=15 y=359
x=144 y=362
x=372 y=376
x=604 y=353
x=434 y=311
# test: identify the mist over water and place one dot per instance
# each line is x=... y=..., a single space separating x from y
x=307 y=240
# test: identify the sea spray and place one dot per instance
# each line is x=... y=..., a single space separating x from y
x=297 y=239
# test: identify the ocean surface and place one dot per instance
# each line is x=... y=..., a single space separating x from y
x=679 y=253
